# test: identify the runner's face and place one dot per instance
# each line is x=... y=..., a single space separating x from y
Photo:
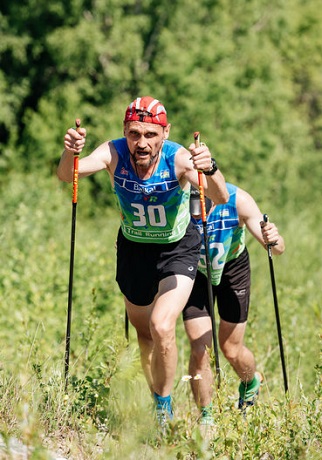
x=145 y=141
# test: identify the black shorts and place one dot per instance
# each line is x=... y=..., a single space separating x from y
x=141 y=266
x=232 y=293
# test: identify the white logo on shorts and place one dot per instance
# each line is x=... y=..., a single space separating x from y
x=240 y=293
x=190 y=268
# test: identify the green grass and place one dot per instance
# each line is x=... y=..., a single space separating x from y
x=108 y=412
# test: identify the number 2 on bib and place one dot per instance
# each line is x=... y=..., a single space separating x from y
x=215 y=259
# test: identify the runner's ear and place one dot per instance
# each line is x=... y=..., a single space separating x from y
x=166 y=131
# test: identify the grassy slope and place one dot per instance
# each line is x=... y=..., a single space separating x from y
x=108 y=405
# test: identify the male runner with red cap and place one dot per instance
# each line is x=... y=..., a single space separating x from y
x=157 y=246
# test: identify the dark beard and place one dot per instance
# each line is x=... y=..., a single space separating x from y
x=151 y=162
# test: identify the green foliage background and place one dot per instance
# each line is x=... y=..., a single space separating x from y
x=247 y=75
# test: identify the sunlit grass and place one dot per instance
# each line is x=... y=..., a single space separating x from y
x=108 y=411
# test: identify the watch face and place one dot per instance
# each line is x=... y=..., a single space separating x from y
x=214 y=165
x=213 y=168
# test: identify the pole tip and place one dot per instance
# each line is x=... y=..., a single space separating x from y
x=77 y=122
x=196 y=134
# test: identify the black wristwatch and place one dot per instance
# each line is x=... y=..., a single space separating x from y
x=213 y=169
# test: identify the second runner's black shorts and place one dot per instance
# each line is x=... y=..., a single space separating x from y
x=232 y=293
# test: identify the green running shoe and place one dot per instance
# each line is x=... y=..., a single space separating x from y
x=248 y=392
x=207 y=420
x=206 y=416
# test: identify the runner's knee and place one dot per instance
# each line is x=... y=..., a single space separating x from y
x=199 y=351
x=162 y=331
x=231 y=352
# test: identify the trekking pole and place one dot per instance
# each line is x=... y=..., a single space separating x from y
x=126 y=326
x=278 y=324
x=208 y=264
x=71 y=263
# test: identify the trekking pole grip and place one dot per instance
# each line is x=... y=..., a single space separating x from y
x=266 y=220
x=75 y=169
x=200 y=181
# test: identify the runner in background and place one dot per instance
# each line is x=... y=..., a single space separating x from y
x=230 y=278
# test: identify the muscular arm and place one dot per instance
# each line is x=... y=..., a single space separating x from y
x=250 y=215
x=187 y=164
x=104 y=157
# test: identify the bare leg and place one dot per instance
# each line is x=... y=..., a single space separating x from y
x=140 y=318
x=170 y=301
x=200 y=337
x=231 y=340
x=156 y=326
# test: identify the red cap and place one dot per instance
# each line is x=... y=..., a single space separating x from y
x=148 y=110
